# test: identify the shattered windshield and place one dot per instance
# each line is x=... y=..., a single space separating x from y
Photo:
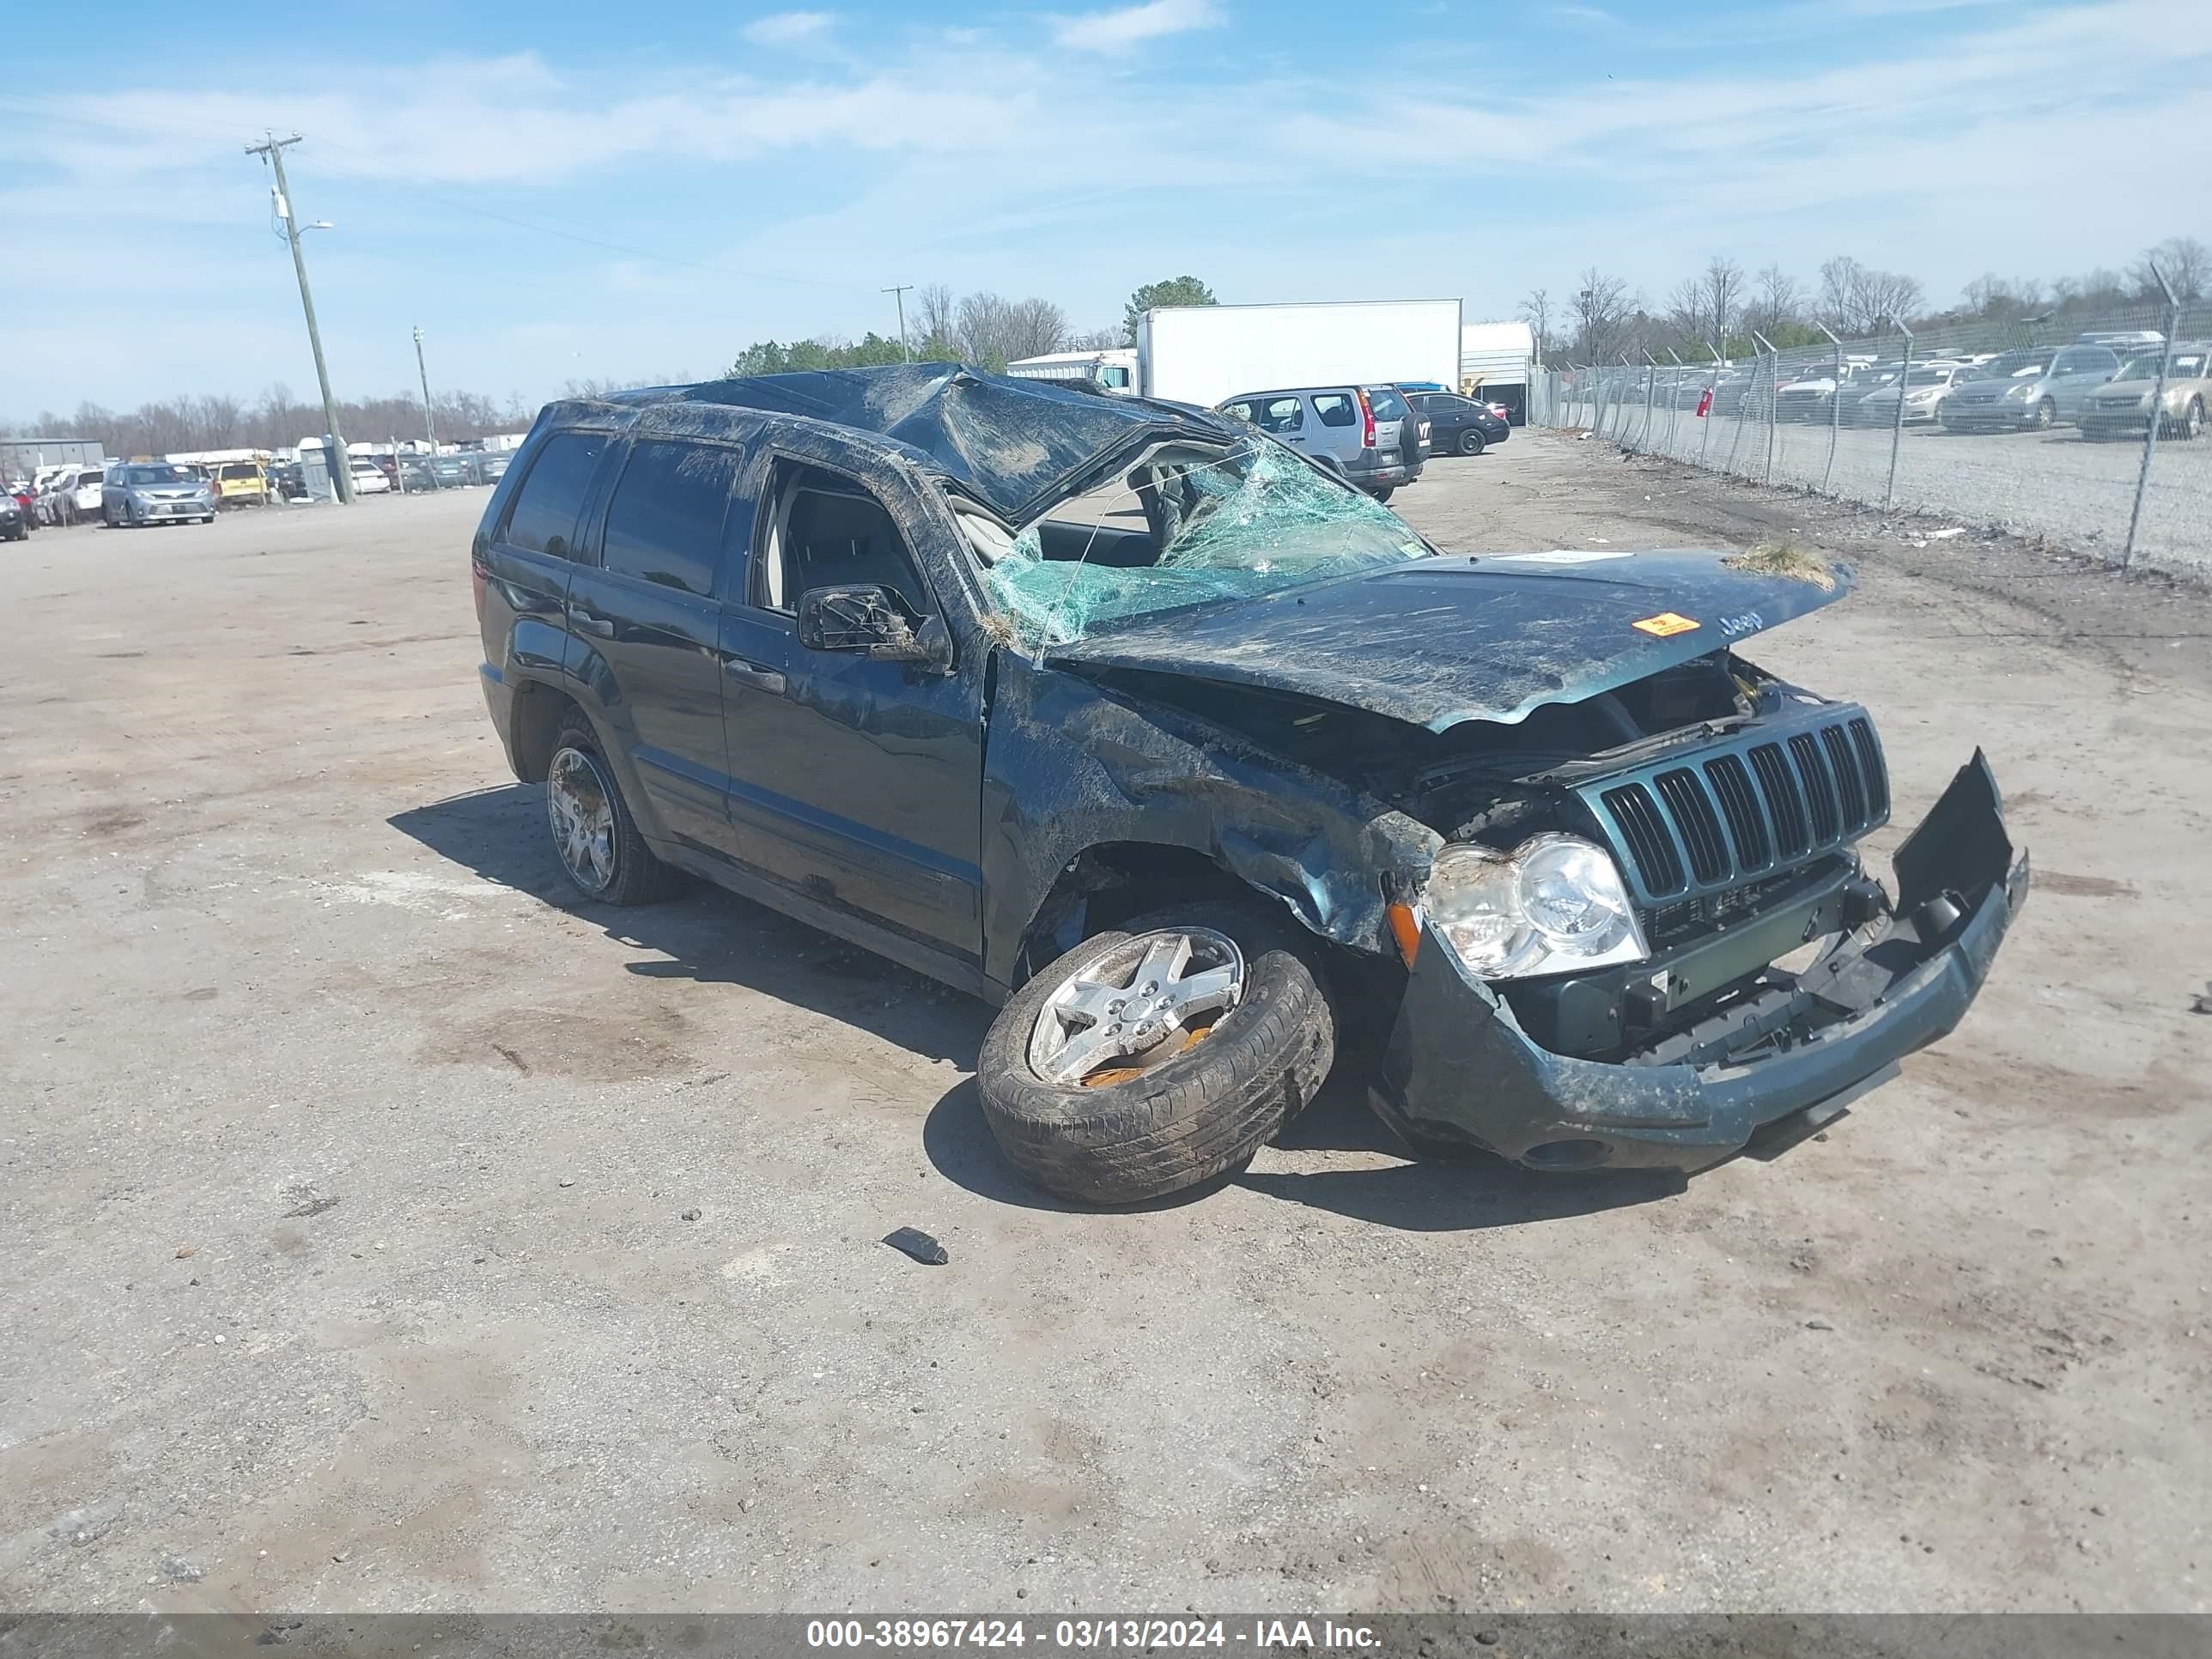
x=1188 y=525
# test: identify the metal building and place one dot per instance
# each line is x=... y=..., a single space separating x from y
x=1495 y=360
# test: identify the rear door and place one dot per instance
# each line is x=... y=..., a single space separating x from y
x=649 y=606
x=522 y=565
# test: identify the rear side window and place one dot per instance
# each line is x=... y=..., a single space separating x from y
x=543 y=517
x=1336 y=408
x=665 y=524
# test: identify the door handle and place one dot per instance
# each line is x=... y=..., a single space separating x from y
x=590 y=621
x=753 y=674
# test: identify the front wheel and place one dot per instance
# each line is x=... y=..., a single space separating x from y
x=1144 y=1062
x=594 y=836
x=2044 y=416
x=2191 y=424
x=1470 y=442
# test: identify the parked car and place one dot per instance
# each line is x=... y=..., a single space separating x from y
x=486 y=466
x=1162 y=737
x=74 y=493
x=1923 y=389
x=1459 y=425
x=15 y=520
x=239 y=483
x=155 y=492
x=369 y=478
x=2121 y=407
x=1368 y=434
x=1812 y=394
x=2028 y=390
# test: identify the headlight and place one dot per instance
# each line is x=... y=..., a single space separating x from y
x=1555 y=905
x=2019 y=390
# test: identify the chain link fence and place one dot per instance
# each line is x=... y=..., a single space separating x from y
x=2036 y=430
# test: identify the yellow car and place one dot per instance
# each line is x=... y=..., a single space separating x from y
x=238 y=482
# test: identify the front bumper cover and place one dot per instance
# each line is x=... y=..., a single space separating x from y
x=1459 y=1068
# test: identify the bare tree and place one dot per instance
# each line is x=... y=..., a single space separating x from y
x=1536 y=310
x=933 y=312
x=1601 y=309
x=1685 y=309
x=1722 y=288
x=2184 y=262
x=1775 y=300
x=1096 y=339
x=1858 y=299
x=980 y=326
x=1033 y=328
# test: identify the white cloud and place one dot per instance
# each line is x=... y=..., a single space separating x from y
x=787 y=28
x=1129 y=27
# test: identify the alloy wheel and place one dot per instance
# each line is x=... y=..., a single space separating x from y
x=1146 y=1000
x=580 y=806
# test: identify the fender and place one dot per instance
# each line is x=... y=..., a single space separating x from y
x=1070 y=765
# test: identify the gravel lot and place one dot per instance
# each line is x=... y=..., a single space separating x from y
x=2055 y=485
x=347 y=1160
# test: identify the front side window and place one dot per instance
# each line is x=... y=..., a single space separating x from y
x=1116 y=376
x=543 y=517
x=826 y=531
x=1282 y=415
x=665 y=524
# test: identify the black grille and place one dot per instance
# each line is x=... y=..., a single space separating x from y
x=1819 y=790
x=1871 y=768
x=1644 y=834
x=1731 y=785
x=1846 y=766
x=1696 y=821
x=1739 y=815
x=1784 y=805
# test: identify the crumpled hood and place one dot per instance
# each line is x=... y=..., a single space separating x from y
x=1439 y=641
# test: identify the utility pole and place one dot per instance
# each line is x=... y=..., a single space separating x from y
x=429 y=421
x=272 y=149
x=905 y=347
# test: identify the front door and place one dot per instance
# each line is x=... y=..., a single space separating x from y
x=854 y=782
x=649 y=609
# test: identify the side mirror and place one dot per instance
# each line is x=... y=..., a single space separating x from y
x=873 y=622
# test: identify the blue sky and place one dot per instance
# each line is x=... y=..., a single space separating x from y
x=556 y=191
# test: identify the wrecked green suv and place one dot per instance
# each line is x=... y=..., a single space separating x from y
x=1209 y=768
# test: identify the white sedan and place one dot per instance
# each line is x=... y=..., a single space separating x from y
x=1924 y=391
x=368 y=479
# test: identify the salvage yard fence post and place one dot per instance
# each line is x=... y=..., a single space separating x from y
x=1773 y=385
x=1896 y=426
x=1835 y=404
x=1712 y=403
x=2157 y=412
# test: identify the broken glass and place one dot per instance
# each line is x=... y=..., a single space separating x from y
x=1188 y=526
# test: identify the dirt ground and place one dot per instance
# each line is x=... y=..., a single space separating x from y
x=346 y=1160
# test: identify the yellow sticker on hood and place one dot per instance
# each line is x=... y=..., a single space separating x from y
x=1664 y=623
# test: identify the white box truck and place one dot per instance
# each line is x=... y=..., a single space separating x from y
x=1202 y=354
x=1114 y=368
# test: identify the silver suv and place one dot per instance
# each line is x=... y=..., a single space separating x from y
x=2031 y=389
x=1369 y=435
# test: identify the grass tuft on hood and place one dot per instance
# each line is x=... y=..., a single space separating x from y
x=1791 y=561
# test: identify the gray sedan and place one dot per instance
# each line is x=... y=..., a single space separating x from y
x=155 y=492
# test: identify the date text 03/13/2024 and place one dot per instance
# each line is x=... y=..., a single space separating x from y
x=1137 y=1634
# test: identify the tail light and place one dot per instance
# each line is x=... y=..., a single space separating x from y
x=1366 y=418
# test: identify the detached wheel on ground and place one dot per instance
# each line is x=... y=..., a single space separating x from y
x=1146 y=1061
x=593 y=835
x=1470 y=442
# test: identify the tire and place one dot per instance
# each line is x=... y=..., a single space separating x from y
x=1471 y=442
x=2191 y=426
x=2043 y=416
x=1178 y=1121
x=1385 y=493
x=613 y=866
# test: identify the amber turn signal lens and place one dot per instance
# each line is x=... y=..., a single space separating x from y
x=1406 y=928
